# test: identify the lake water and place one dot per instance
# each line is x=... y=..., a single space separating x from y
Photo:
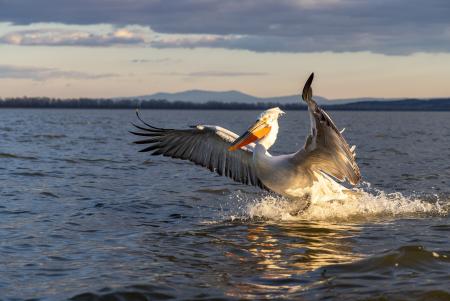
x=83 y=215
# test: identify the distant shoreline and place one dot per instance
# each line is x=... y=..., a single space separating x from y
x=161 y=104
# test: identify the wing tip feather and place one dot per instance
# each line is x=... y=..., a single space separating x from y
x=307 y=90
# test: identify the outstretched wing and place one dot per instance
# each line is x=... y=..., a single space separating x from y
x=205 y=145
x=325 y=148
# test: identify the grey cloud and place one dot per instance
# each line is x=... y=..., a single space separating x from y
x=332 y=43
x=57 y=37
x=384 y=26
x=39 y=74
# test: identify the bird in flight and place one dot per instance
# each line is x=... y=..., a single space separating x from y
x=311 y=173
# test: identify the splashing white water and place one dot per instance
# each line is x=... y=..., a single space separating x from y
x=360 y=205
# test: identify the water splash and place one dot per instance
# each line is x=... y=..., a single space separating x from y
x=363 y=204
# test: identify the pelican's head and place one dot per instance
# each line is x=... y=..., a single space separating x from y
x=266 y=123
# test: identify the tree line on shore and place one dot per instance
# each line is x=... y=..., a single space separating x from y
x=91 y=103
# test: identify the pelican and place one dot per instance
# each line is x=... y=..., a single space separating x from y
x=311 y=173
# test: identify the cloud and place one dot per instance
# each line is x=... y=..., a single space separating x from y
x=326 y=43
x=165 y=60
x=40 y=74
x=213 y=41
x=383 y=26
x=213 y=73
x=224 y=74
x=59 y=37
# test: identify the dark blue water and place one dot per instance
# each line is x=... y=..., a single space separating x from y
x=83 y=215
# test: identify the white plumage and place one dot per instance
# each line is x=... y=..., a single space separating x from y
x=305 y=174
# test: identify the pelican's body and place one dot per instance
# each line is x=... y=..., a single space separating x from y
x=309 y=173
x=291 y=175
x=284 y=175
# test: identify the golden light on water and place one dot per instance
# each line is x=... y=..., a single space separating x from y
x=281 y=264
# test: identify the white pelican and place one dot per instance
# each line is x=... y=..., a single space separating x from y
x=308 y=173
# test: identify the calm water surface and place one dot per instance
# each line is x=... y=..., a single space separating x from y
x=84 y=216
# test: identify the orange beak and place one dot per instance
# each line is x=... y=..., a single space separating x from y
x=255 y=132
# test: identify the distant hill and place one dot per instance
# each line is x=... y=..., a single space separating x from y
x=233 y=96
x=203 y=96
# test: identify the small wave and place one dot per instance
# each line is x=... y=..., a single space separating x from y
x=98 y=160
x=358 y=206
x=405 y=257
x=392 y=150
x=95 y=139
x=218 y=191
x=134 y=292
x=398 y=272
x=30 y=174
x=89 y=160
x=48 y=193
x=14 y=156
x=69 y=161
x=150 y=163
x=13 y=212
x=50 y=136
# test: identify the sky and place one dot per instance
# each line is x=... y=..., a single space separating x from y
x=113 y=48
